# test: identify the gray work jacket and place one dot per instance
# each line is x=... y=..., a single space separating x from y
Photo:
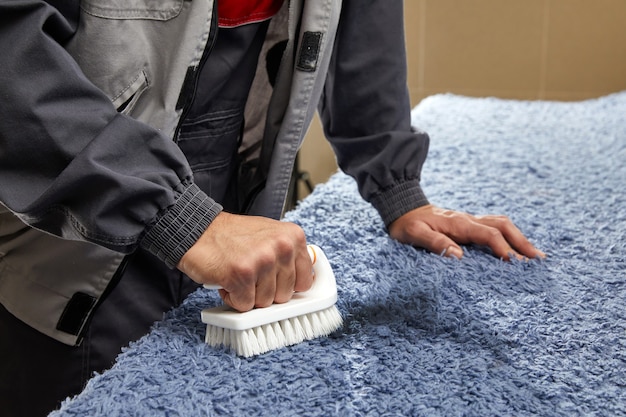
x=93 y=94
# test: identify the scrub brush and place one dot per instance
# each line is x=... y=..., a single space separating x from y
x=306 y=316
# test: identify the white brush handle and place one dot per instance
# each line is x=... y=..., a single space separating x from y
x=312 y=254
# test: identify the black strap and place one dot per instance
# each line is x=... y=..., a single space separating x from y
x=76 y=312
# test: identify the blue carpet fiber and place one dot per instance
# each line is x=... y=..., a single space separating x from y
x=426 y=335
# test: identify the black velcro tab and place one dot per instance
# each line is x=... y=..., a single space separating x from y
x=309 y=51
x=76 y=313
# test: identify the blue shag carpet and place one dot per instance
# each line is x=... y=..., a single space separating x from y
x=426 y=335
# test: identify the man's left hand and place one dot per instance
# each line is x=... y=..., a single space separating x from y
x=442 y=231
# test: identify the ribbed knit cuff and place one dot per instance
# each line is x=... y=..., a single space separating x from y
x=172 y=236
x=399 y=199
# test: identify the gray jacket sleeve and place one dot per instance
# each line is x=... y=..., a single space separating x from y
x=365 y=108
x=70 y=164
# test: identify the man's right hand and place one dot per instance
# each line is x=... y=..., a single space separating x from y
x=255 y=260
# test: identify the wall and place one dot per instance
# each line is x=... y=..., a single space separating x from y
x=530 y=49
x=519 y=49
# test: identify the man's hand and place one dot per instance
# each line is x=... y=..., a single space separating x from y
x=439 y=230
x=256 y=261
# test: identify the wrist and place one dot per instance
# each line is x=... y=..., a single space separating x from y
x=181 y=226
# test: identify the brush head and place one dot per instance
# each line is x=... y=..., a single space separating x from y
x=306 y=316
x=276 y=335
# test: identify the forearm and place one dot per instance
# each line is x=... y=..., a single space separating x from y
x=366 y=108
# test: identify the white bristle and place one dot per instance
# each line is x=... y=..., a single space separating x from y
x=288 y=331
x=270 y=336
x=279 y=334
x=261 y=339
x=248 y=344
x=214 y=335
x=306 y=326
x=298 y=334
x=331 y=320
x=238 y=341
x=316 y=324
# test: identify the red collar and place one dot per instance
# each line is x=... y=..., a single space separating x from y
x=233 y=13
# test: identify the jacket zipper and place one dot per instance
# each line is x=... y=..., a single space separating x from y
x=196 y=72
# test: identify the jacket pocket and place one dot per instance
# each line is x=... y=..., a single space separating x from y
x=210 y=144
x=126 y=99
x=133 y=9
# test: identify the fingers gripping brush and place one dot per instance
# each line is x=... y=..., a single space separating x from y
x=306 y=316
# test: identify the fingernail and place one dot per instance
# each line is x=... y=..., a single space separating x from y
x=454 y=251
